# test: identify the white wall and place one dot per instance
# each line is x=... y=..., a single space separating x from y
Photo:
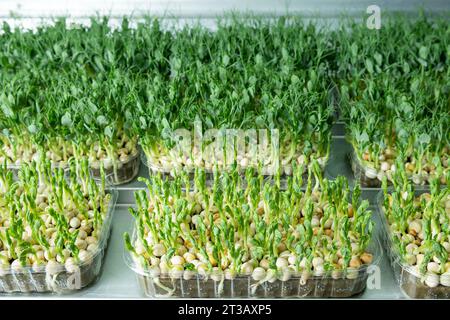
x=204 y=8
x=34 y=12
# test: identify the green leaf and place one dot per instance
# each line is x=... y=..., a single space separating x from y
x=165 y=123
x=354 y=49
x=369 y=65
x=363 y=137
x=102 y=121
x=284 y=53
x=92 y=107
x=378 y=58
x=415 y=85
x=189 y=266
x=403 y=134
x=166 y=133
x=424 y=138
x=422 y=62
x=406 y=107
x=87 y=118
x=259 y=59
x=98 y=63
x=423 y=52
x=7 y=111
x=225 y=60
x=66 y=120
x=109 y=132
x=406 y=68
x=143 y=122
x=109 y=56
x=32 y=128
x=260 y=123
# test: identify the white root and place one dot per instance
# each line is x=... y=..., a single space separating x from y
x=270 y=275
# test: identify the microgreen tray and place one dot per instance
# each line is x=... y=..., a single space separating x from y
x=168 y=174
x=188 y=284
x=59 y=280
x=126 y=171
x=412 y=283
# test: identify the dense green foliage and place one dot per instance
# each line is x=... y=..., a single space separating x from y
x=94 y=91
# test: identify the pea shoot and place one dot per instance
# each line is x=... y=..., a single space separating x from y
x=256 y=230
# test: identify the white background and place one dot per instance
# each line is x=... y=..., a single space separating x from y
x=205 y=8
x=30 y=13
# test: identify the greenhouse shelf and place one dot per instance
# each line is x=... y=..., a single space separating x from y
x=338 y=130
x=118 y=281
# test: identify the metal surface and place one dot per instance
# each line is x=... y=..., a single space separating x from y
x=338 y=129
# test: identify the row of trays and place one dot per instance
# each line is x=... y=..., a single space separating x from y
x=186 y=284
x=355 y=170
x=128 y=171
x=343 y=285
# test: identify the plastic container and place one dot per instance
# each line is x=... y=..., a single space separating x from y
x=189 y=285
x=411 y=282
x=209 y=174
x=60 y=280
x=126 y=171
x=167 y=174
x=15 y=168
x=361 y=173
x=369 y=177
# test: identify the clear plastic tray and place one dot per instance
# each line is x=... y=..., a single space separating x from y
x=344 y=165
x=411 y=282
x=209 y=174
x=359 y=172
x=126 y=171
x=193 y=285
x=14 y=168
x=60 y=280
